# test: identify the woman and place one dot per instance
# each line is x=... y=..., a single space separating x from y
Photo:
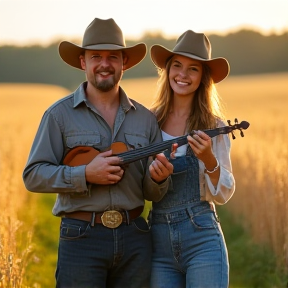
x=189 y=247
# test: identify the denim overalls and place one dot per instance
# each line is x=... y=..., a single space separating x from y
x=189 y=249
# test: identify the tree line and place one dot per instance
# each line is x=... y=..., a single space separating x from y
x=248 y=52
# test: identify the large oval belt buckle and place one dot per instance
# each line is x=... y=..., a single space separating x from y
x=111 y=219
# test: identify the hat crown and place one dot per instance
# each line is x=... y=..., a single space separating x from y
x=194 y=43
x=195 y=46
x=102 y=35
x=101 y=31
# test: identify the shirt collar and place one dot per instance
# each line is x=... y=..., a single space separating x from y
x=80 y=96
x=125 y=101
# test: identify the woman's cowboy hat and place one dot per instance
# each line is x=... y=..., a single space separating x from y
x=101 y=35
x=196 y=46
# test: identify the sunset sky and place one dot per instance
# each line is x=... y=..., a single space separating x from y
x=25 y=22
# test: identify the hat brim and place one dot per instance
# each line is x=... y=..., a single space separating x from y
x=219 y=67
x=70 y=52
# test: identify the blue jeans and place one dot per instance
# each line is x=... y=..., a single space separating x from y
x=189 y=249
x=101 y=257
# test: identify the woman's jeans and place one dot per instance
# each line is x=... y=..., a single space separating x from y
x=189 y=250
x=101 y=257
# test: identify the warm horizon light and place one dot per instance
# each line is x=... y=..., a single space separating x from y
x=42 y=22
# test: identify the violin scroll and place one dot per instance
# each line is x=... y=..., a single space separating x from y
x=239 y=126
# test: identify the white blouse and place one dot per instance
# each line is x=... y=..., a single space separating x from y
x=225 y=188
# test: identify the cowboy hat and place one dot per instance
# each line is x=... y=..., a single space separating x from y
x=101 y=35
x=196 y=46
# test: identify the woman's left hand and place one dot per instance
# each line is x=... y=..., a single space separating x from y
x=201 y=144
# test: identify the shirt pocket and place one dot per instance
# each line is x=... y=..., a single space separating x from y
x=88 y=138
x=133 y=143
x=136 y=141
x=81 y=148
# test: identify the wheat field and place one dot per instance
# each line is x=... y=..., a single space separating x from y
x=21 y=108
x=260 y=161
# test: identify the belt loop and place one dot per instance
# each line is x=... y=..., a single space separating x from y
x=93 y=219
x=189 y=212
x=127 y=217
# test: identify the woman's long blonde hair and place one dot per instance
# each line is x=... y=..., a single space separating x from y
x=206 y=106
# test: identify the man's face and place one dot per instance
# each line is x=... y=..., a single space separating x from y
x=104 y=68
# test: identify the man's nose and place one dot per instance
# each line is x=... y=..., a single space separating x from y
x=105 y=62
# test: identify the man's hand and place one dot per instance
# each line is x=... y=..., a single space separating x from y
x=160 y=169
x=104 y=169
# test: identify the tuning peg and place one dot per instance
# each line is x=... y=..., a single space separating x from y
x=241 y=133
x=233 y=136
x=229 y=122
x=236 y=121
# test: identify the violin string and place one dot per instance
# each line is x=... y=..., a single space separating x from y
x=143 y=152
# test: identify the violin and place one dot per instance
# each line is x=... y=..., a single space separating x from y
x=82 y=155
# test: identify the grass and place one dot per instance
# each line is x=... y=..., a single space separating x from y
x=41 y=271
x=251 y=265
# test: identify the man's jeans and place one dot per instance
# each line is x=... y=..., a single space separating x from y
x=101 y=257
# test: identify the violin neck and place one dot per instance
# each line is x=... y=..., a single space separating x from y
x=151 y=150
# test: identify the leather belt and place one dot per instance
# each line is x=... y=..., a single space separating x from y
x=109 y=218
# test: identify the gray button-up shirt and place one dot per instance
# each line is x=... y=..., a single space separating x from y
x=72 y=122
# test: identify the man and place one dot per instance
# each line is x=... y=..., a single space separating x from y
x=103 y=240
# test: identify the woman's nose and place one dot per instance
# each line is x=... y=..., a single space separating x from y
x=183 y=73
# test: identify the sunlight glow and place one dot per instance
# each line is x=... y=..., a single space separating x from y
x=48 y=20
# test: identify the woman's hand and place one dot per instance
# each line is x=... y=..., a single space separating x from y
x=201 y=144
x=160 y=169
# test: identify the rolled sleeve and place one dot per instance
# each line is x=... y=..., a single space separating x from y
x=154 y=191
x=226 y=183
x=78 y=179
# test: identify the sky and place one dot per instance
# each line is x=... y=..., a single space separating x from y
x=27 y=22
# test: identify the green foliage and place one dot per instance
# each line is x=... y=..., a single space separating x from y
x=146 y=210
x=251 y=265
x=41 y=270
x=248 y=52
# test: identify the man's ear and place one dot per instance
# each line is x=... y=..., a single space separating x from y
x=82 y=61
x=125 y=60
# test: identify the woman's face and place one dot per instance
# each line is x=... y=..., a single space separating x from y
x=185 y=75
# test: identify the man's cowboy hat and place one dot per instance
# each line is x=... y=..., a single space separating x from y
x=101 y=35
x=196 y=46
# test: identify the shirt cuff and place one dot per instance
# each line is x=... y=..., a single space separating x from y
x=78 y=179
